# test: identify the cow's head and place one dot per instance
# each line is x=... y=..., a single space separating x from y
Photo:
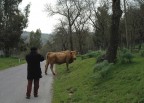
x=74 y=53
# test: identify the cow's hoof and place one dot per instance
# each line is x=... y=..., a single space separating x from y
x=54 y=74
x=45 y=73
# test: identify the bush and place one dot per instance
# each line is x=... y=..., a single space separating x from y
x=102 y=69
x=2 y=56
x=125 y=56
x=84 y=57
x=142 y=53
x=100 y=58
x=91 y=54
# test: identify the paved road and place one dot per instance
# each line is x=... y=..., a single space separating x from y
x=13 y=84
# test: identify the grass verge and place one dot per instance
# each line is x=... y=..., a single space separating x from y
x=125 y=83
x=9 y=62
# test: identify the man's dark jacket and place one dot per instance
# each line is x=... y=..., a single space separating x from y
x=33 y=65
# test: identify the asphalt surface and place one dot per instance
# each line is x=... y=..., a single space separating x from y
x=13 y=84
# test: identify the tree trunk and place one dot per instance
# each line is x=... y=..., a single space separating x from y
x=70 y=38
x=6 y=52
x=80 y=46
x=114 y=37
x=140 y=43
x=126 y=28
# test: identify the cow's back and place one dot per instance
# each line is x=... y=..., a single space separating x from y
x=56 y=57
x=60 y=57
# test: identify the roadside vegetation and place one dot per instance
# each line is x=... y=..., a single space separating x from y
x=9 y=62
x=91 y=82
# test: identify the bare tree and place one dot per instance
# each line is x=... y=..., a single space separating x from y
x=99 y=18
x=92 y=12
x=61 y=35
x=70 y=9
x=81 y=27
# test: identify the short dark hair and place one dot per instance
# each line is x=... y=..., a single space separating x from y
x=33 y=49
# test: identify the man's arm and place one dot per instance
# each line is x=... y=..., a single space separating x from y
x=41 y=58
x=26 y=57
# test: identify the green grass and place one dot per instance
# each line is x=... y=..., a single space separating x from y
x=75 y=82
x=9 y=62
x=125 y=83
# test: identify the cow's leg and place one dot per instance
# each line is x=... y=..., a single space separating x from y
x=46 y=67
x=51 y=67
x=67 y=66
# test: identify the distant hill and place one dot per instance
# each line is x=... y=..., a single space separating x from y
x=25 y=35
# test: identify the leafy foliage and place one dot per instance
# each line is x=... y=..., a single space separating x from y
x=35 y=39
x=91 y=54
x=126 y=56
x=102 y=30
x=102 y=69
x=12 y=23
x=142 y=53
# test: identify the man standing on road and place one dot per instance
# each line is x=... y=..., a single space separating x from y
x=33 y=71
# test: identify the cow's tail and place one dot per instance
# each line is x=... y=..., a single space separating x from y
x=47 y=56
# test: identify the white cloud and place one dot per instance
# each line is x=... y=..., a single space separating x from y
x=38 y=18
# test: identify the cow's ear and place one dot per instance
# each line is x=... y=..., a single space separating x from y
x=71 y=53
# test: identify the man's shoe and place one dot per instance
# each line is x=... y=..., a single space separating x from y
x=35 y=95
x=27 y=97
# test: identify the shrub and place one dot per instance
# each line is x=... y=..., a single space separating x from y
x=142 y=53
x=84 y=57
x=141 y=100
x=91 y=54
x=100 y=58
x=102 y=69
x=2 y=56
x=125 y=56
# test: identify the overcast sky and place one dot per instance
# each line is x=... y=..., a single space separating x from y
x=38 y=18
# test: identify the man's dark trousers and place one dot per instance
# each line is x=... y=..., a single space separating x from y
x=29 y=87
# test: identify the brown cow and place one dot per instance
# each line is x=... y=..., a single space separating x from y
x=59 y=58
